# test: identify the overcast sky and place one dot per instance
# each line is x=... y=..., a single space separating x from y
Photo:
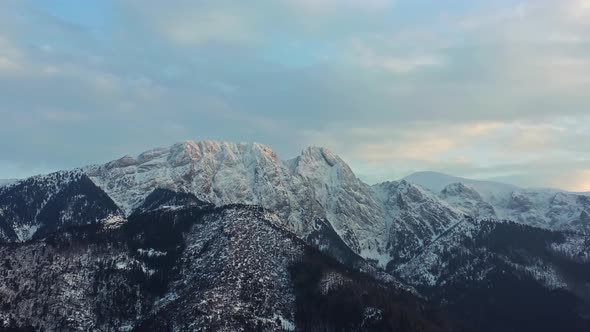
x=495 y=89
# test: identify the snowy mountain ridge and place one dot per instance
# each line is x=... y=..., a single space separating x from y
x=546 y=208
x=316 y=184
x=386 y=223
x=173 y=235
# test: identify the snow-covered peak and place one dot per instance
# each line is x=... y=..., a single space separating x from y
x=321 y=166
x=459 y=189
x=547 y=208
x=404 y=195
x=405 y=187
x=191 y=151
x=315 y=184
x=415 y=217
x=436 y=182
x=467 y=200
x=319 y=155
x=204 y=168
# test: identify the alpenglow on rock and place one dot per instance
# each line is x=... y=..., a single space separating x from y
x=315 y=185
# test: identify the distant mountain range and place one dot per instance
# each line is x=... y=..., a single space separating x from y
x=546 y=208
x=227 y=236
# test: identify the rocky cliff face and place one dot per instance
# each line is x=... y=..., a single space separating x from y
x=316 y=184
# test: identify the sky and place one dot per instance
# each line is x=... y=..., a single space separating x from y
x=494 y=89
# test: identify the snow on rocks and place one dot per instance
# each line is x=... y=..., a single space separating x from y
x=545 y=208
x=316 y=184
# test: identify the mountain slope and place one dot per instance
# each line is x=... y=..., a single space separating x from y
x=545 y=208
x=415 y=218
x=196 y=269
x=316 y=195
x=42 y=204
x=501 y=276
x=467 y=200
x=226 y=236
x=436 y=182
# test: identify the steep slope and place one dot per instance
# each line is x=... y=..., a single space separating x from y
x=467 y=200
x=548 y=209
x=501 y=276
x=436 y=182
x=41 y=204
x=165 y=199
x=415 y=217
x=231 y=268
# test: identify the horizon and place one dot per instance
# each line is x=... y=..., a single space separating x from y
x=478 y=89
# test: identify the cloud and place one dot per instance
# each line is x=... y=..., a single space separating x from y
x=492 y=90
x=10 y=57
x=525 y=153
x=398 y=64
x=197 y=27
x=324 y=7
x=578 y=181
x=497 y=16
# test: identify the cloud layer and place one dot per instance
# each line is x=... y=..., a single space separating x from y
x=473 y=88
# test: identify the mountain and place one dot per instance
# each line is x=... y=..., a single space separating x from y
x=231 y=268
x=531 y=279
x=316 y=195
x=315 y=190
x=228 y=236
x=467 y=200
x=546 y=208
x=42 y=204
x=316 y=184
x=415 y=217
x=436 y=182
